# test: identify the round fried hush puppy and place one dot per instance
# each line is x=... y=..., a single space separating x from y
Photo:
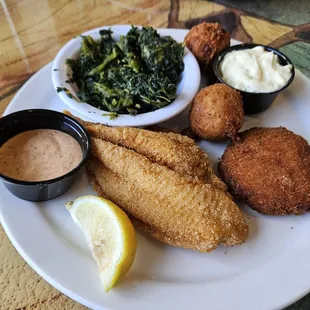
x=216 y=113
x=269 y=168
x=205 y=40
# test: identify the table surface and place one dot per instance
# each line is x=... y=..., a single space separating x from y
x=31 y=33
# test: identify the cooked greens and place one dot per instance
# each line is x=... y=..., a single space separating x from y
x=137 y=74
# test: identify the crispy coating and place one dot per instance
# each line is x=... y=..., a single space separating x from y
x=175 y=151
x=191 y=213
x=95 y=165
x=205 y=40
x=269 y=168
x=163 y=148
x=216 y=113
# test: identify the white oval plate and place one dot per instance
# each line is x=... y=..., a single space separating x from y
x=186 y=90
x=269 y=271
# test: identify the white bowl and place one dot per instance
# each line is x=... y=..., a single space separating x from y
x=186 y=90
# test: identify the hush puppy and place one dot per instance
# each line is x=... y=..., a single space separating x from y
x=205 y=40
x=216 y=113
x=269 y=168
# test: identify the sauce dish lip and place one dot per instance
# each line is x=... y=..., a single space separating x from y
x=12 y=118
x=282 y=58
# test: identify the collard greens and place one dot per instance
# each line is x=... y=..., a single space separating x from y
x=137 y=74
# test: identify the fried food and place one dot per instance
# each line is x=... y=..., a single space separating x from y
x=269 y=168
x=175 y=151
x=175 y=208
x=95 y=165
x=205 y=40
x=216 y=113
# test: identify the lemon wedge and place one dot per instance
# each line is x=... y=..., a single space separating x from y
x=109 y=234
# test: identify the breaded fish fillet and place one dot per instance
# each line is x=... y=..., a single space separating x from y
x=107 y=178
x=175 y=151
x=193 y=214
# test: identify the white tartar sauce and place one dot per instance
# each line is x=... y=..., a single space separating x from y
x=254 y=70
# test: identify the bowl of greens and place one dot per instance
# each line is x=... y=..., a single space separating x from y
x=126 y=75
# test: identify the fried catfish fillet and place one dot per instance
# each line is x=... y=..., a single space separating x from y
x=174 y=208
x=177 y=152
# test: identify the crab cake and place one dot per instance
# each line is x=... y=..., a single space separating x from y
x=216 y=113
x=205 y=40
x=269 y=168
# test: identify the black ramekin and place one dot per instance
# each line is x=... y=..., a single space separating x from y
x=25 y=120
x=254 y=102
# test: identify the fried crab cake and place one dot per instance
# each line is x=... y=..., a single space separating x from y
x=216 y=113
x=205 y=40
x=269 y=168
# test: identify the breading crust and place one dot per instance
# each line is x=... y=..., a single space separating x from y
x=152 y=231
x=205 y=40
x=192 y=213
x=269 y=168
x=173 y=150
x=216 y=113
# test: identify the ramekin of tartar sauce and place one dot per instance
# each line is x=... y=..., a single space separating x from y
x=258 y=72
x=41 y=153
